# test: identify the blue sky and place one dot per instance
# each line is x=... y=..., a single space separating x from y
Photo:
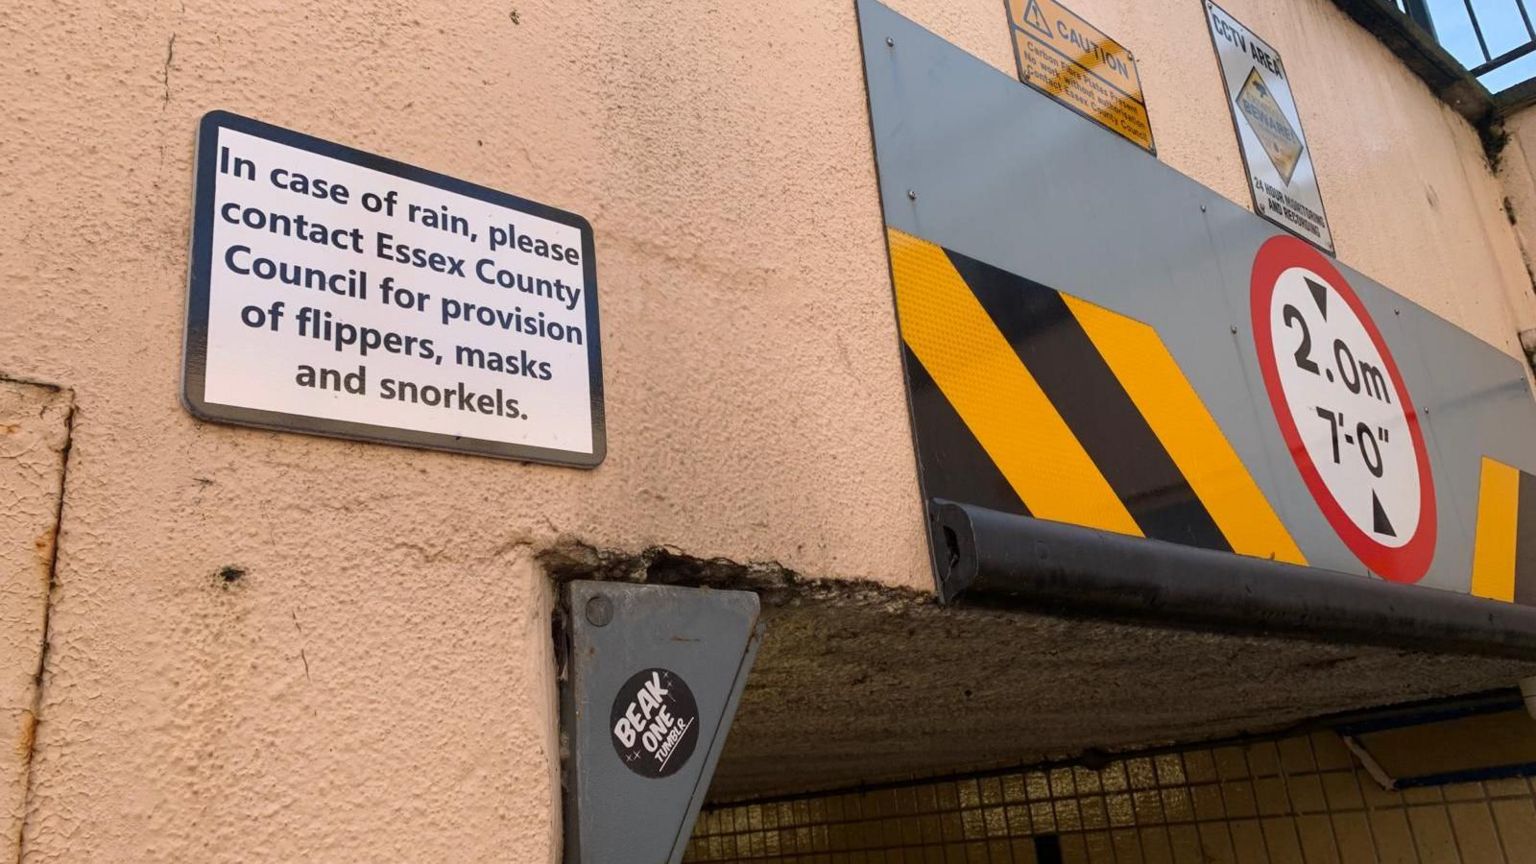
x=1502 y=26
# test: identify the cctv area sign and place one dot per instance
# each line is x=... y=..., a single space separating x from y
x=1175 y=370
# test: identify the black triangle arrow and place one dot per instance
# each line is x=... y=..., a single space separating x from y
x=1379 y=517
x=1319 y=294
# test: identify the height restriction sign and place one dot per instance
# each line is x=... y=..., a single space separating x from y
x=1070 y=395
x=1281 y=174
x=1345 y=414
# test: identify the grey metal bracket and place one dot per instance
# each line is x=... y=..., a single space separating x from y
x=652 y=678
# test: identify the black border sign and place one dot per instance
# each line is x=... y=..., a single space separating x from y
x=195 y=348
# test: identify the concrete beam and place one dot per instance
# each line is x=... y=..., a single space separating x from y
x=859 y=683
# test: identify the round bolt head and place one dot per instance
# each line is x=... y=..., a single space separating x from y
x=599 y=611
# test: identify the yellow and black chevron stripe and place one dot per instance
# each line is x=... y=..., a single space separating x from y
x=1029 y=401
x=1504 y=548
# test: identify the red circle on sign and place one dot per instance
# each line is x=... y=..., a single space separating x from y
x=1406 y=563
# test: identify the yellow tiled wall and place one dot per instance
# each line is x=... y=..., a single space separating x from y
x=1301 y=799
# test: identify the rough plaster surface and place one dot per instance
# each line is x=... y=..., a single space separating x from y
x=381 y=704
x=34 y=436
x=755 y=404
x=377 y=685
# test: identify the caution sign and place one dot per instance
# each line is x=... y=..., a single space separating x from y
x=1280 y=170
x=1076 y=64
x=1347 y=418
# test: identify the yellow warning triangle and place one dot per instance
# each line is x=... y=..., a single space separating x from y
x=1035 y=18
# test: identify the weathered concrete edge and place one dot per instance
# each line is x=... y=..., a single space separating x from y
x=570 y=558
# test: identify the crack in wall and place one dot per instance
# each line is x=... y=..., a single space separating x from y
x=34 y=714
x=165 y=72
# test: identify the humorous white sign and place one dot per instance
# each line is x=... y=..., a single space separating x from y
x=344 y=294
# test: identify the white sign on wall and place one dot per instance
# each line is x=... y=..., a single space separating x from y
x=1281 y=173
x=341 y=293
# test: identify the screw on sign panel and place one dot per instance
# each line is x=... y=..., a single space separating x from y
x=1343 y=409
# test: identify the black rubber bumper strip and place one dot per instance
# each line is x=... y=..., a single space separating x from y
x=999 y=559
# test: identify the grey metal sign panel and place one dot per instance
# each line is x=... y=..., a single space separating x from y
x=1327 y=420
x=652 y=679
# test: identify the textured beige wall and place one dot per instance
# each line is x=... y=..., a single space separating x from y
x=377 y=685
x=34 y=435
